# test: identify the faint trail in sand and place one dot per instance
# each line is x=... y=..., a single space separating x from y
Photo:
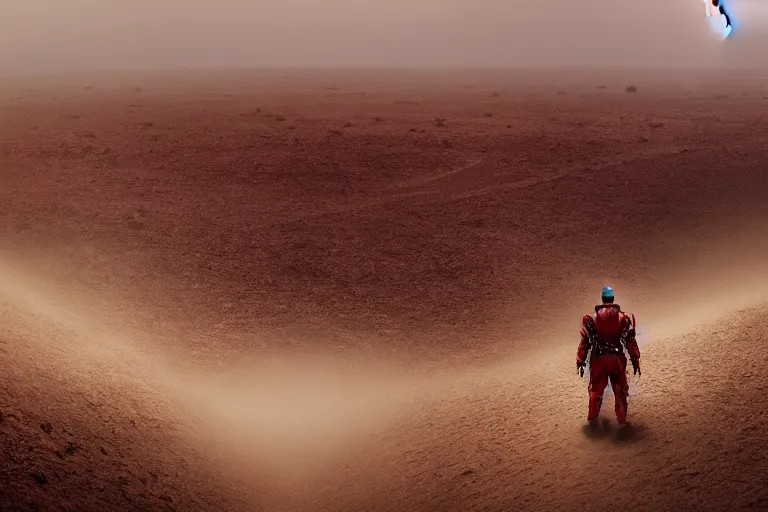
x=426 y=180
x=430 y=187
x=388 y=198
x=574 y=171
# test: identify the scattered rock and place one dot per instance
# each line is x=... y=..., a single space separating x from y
x=40 y=478
x=72 y=448
x=46 y=427
x=467 y=472
x=630 y=88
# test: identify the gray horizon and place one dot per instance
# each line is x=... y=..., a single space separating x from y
x=50 y=36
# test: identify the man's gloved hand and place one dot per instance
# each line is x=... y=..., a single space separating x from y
x=636 y=366
x=580 y=368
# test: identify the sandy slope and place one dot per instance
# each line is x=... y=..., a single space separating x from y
x=350 y=291
x=697 y=440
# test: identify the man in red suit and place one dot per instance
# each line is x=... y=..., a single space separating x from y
x=605 y=336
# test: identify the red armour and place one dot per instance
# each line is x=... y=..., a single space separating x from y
x=606 y=335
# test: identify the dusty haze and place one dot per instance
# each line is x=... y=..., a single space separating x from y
x=50 y=36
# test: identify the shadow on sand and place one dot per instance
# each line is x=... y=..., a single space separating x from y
x=605 y=429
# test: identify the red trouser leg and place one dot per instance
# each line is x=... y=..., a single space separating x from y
x=598 y=379
x=620 y=390
x=600 y=370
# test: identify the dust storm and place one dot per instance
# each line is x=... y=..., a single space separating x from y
x=46 y=36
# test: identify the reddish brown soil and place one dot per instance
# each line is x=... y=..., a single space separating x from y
x=361 y=291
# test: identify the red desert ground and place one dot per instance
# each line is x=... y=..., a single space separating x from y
x=349 y=291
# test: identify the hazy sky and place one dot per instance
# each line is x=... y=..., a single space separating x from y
x=72 y=35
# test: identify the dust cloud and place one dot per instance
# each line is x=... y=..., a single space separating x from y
x=293 y=417
x=288 y=416
x=48 y=36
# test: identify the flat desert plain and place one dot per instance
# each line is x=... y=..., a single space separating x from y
x=309 y=290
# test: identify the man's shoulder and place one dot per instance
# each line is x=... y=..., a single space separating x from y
x=627 y=318
x=588 y=323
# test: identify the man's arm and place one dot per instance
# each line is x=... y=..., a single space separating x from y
x=631 y=342
x=587 y=329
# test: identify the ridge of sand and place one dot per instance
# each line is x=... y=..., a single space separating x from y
x=498 y=439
